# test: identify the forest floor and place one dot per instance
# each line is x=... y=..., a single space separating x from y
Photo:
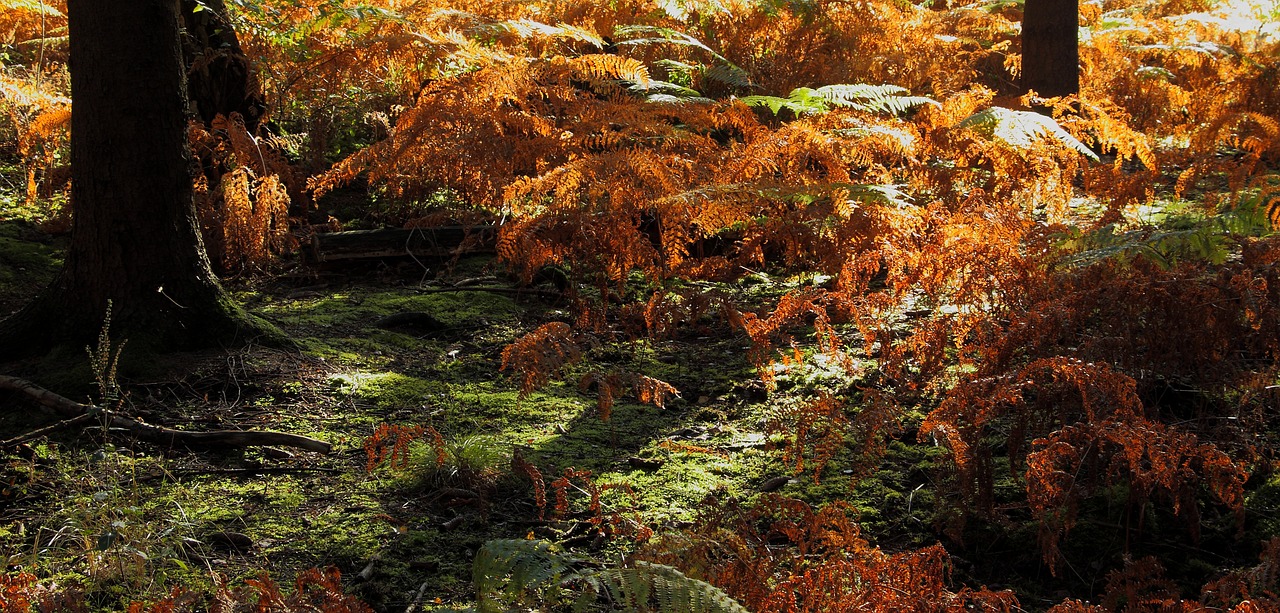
x=125 y=521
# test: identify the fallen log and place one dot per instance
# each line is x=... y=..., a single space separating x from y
x=440 y=241
x=75 y=412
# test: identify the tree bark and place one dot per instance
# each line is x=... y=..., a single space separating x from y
x=1051 y=47
x=134 y=241
x=220 y=78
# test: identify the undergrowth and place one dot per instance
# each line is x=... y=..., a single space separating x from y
x=810 y=260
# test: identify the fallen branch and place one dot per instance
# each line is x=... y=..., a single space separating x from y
x=50 y=429
x=512 y=291
x=72 y=410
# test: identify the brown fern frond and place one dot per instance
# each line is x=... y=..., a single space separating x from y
x=541 y=354
x=816 y=429
x=390 y=443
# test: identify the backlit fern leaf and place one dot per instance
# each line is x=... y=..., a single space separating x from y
x=872 y=98
x=729 y=75
x=528 y=28
x=881 y=98
x=538 y=355
x=1021 y=128
x=604 y=67
x=650 y=35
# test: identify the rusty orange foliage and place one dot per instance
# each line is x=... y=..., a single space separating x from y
x=390 y=443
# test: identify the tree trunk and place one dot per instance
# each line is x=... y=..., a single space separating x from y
x=220 y=78
x=1051 y=47
x=134 y=239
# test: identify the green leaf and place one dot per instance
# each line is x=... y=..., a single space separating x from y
x=1021 y=128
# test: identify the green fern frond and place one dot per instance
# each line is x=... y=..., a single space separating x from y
x=513 y=570
x=660 y=98
x=776 y=104
x=1165 y=249
x=877 y=98
x=682 y=9
x=1178 y=237
x=1206 y=48
x=528 y=28
x=729 y=75
x=885 y=195
x=871 y=98
x=1021 y=128
x=662 y=589
x=651 y=35
x=665 y=87
x=509 y=572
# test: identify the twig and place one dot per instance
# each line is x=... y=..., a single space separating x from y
x=367 y=573
x=545 y=293
x=265 y=470
x=417 y=599
x=157 y=434
x=35 y=434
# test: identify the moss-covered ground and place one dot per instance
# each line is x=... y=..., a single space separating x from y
x=124 y=521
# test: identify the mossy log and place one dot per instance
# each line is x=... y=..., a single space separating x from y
x=441 y=241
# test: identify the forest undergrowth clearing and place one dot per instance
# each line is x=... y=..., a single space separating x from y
x=134 y=520
x=1047 y=343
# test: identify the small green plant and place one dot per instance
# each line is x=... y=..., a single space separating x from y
x=105 y=363
x=474 y=462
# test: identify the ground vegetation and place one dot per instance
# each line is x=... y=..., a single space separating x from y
x=795 y=306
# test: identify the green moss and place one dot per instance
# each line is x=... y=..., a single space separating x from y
x=28 y=262
x=386 y=390
x=1262 y=508
x=362 y=308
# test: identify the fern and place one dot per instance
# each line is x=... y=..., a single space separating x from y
x=651 y=35
x=729 y=75
x=509 y=572
x=657 y=587
x=35 y=6
x=669 y=93
x=528 y=28
x=1177 y=239
x=1021 y=128
x=872 y=98
x=682 y=9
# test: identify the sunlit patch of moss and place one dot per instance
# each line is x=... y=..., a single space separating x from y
x=363 y=308
x=386 y=390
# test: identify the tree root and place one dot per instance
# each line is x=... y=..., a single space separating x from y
x=74 y=412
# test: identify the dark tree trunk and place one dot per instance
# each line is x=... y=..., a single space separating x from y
x=220 y=78
x=134 y=238
x=1051 y=47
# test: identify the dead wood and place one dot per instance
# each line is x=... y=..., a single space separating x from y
x=441 y=241
x=115 y=422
